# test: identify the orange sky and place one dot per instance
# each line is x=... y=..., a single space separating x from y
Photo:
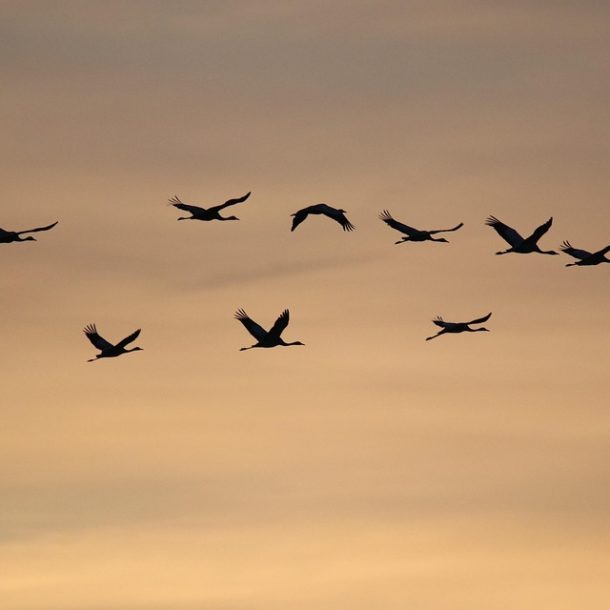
x=369 y=469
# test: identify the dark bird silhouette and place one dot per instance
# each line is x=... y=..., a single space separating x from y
x=107 y=349
x=264 y=338
x=6 y=237
x=412 y=234
x=212 y=213
x=322 y=208
x=517 y=243
x=585 y=258
x=458 y=327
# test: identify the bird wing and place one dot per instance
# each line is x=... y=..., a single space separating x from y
x=38 y=229
x=257 y=331
x=175 y=201
x=399 y=226
x=127 y=340
x=280 y=324
x=480 y=320
x=440 y=322
x=447 y=230
x=229 y=202
x=575 y=252
x=299 y=217
x=507 y=233
x=337 y=216
x=541 y=230
x=98 y=341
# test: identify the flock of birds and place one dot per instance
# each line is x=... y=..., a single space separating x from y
x=273 y=336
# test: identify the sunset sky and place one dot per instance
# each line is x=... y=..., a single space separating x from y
x=368 y=470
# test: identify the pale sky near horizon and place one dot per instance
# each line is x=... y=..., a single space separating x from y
x=369 y=469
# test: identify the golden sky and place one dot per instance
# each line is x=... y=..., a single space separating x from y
x=369 y=469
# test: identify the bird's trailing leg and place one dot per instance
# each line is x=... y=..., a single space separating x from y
x=402 y=241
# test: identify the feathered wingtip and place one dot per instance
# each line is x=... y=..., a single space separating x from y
x=175 y=200
x=240 y=314
x=90 y=329
x=491 y=221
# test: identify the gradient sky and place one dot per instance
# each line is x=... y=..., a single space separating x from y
x=368 y=470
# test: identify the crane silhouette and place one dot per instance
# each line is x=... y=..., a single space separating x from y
x=458 y=327
x=264 y=338
x=326 y=210
x=6 y=237
x=412 y=234
x=517 y=243
x=212 y=213
x=107 y=349
x=585 y=258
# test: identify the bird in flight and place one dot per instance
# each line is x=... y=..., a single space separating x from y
x=412 y=234
x=585 y=258
x=264 y=338
x=212 y=213
x=322 y=208
x=6 y=237
x=107 y=349
x=517 y=243
x=458 y=327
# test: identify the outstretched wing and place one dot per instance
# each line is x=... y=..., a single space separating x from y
x=38 y=229
x=507 y=233
x=91 y=332
x=175 y=201
x=129 y=339
x=299 y=217
x=229 y=202
x=541 y=230
x=257 y=331
x=575 y=252
x=447 y=230
x=280 y=324
x=480 y=320
x=337 y=216
x=440 y=322
x=399 y=226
